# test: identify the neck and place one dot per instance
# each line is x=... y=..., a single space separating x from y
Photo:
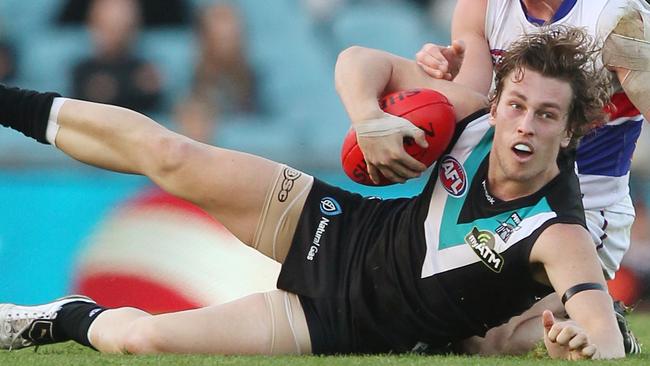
x=542 y=9
x=508 y=189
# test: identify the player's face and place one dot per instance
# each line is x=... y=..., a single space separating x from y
x=530 y=121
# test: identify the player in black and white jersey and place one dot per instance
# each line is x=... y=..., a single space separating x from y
x=364 y=275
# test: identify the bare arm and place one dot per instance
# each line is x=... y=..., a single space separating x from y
x=362 y=75
x=468 y=24
x=467 y=61
x=568 y=262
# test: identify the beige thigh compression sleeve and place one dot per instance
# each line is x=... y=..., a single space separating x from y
x=283 y=205
x=289 y=332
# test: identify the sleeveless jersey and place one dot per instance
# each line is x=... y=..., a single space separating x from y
x=603 y=158
x=384 y=275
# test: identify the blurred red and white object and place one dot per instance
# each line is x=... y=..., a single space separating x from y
x=160 y=253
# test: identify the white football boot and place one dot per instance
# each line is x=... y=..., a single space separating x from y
x=25 y=326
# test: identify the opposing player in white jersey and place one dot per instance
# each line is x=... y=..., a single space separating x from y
x=483 y=29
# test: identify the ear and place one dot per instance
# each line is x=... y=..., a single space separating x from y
x=566 y=140
x=493 y=113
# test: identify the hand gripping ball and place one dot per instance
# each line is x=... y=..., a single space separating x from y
x=427 y=109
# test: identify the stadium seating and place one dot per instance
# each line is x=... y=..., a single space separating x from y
x=293 y=66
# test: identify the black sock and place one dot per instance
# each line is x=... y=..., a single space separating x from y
x=74 y=319
x=26 y=111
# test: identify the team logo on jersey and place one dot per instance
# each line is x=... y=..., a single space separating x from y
x=497 y=56
x=506 y=228
x=482 y=243
x=452 y=176
x=329 y=206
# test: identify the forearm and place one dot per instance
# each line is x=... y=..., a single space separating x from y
x=468 y=24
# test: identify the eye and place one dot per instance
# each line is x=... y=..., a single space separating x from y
x=515 y=106
x=546 y=115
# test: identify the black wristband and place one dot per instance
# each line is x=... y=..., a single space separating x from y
x=26 y=111
x=581 y=287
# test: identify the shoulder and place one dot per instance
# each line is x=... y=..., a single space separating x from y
x=561 y=240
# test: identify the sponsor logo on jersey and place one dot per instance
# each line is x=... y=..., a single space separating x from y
x=482 y=243
x=506 y=228
x=315 y=242
x=452 y=176
x=329 y=206
x=289 y=176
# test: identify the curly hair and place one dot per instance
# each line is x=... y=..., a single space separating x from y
x=568 y=54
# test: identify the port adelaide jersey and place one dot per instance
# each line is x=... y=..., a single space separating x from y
x=476 y=257
x=384 y=275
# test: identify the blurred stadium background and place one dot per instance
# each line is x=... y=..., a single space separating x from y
x=65 y=227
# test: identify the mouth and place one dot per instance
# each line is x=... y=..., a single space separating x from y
x=523 y=151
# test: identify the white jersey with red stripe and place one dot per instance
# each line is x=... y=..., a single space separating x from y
x=604 y=156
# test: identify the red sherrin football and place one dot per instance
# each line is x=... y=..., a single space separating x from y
x=427 y=109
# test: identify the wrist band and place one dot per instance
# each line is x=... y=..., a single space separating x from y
x=581 y=287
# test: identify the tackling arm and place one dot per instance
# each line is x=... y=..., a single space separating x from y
x=468 y=24
x=566 y=264
x=467 y=61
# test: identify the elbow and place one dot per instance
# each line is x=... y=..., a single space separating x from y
x=345 y=63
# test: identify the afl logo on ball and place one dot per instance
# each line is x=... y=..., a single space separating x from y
x=452 y=176
x=329 y=206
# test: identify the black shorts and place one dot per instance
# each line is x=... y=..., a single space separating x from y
x=331 y=263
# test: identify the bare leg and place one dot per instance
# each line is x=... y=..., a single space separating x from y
x=262 y=323
x=229 y=185
x=519 y=335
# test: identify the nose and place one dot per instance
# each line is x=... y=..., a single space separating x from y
x=525 y=126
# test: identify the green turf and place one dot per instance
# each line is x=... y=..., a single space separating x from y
x=72 y=354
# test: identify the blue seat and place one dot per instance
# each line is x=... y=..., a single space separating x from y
x=21 y=19
x=46 y=63
x=174 y=52
x=391 y=26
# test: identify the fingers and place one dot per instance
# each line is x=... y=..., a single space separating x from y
x=418 y=136
x=564 y=336
x=589 y=351
x=373 y=172
x=567 y=336
x=547 y=320
x=432 y=61
x=578 y=341
x=399 y=169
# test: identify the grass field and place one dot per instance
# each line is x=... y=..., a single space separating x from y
x=72 y=354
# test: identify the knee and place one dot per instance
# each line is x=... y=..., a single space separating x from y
x=170 y=152
x=141 y=337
